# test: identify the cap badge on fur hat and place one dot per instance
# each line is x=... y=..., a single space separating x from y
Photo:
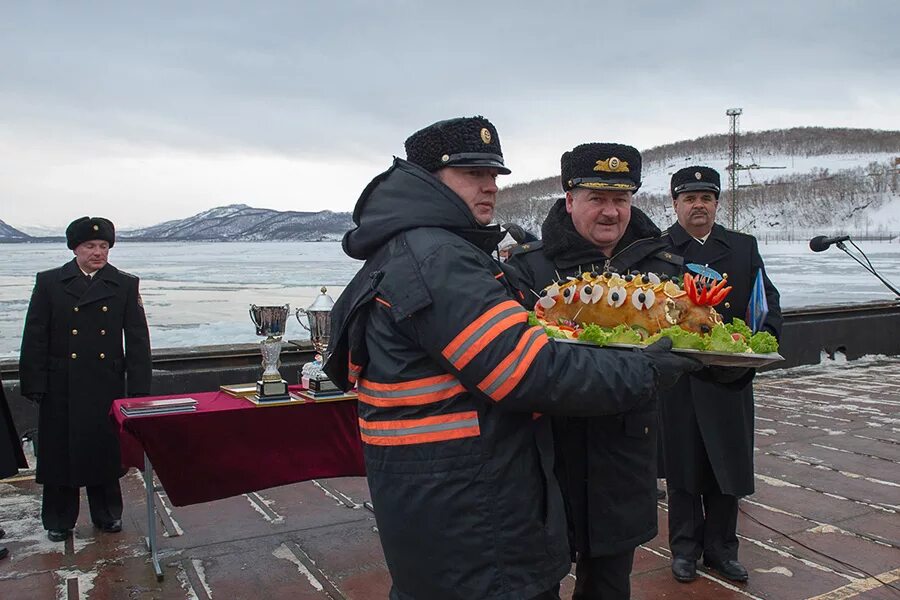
x=461 y=142
x=601 y=166
x=698 y=175
x=612 y=165
x=84 y=229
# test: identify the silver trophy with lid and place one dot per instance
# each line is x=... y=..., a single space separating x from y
x=270 y=321
x=318 y=317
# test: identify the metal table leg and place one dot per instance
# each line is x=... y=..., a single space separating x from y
x=151 y=517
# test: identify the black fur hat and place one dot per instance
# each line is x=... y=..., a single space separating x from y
x=90 y=228
x=462 y=142
x=601 y=167
x=694 y=179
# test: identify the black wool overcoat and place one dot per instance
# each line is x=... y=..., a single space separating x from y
x=73 y=354
x=708 y=426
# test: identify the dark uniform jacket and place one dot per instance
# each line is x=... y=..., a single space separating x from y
x=606 y=465
x=12 y=458
x=450 y=376
x=708 y=426
x=72 y=353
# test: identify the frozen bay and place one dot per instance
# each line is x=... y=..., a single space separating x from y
x=199 y=293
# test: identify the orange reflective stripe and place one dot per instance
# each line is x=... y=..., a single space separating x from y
x=482 y=331
x=438 y=428
x=382 y=301
x=498 y=275
x=477 y=346
x=513 y=368
x=410 y=393
x=353 y=371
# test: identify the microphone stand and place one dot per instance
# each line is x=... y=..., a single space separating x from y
x=867 y=267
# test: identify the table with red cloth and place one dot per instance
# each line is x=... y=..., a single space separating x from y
x=231 y=446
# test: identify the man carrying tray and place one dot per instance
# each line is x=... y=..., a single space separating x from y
x=606 y=465
x=451 y=377
x=708 y=418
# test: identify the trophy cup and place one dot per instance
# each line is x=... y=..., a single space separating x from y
x=270 y=321
x=319 y=317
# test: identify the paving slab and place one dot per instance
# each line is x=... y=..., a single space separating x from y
x=823 y=524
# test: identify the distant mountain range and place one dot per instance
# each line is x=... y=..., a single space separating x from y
x=233 y=223
x=242 y=223
x=8 y=233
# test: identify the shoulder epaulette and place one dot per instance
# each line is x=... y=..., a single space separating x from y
x=670 y=258
x=526 y=247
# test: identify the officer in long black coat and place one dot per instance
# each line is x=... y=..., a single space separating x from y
x=606 y=465
x=12 y=458
x=73 y=363
x=708 y=417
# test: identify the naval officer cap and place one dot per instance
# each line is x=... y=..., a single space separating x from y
x=696 y=179
x=462 y=142
x=90 y=228
x=596 y=166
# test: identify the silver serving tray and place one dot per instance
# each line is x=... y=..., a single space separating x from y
x=721 y=359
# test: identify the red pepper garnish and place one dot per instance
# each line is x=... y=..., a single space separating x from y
x=720 y=295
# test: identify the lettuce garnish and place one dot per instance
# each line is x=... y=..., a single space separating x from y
x=763 y=342
x=681 y=338
x=721 y=340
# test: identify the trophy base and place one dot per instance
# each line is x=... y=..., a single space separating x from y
x=323 y=385
x=272 y=391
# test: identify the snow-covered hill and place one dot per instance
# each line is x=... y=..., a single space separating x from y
x=790 y=182
x=8 y=233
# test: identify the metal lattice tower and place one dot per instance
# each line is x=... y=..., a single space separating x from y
x=733 y=166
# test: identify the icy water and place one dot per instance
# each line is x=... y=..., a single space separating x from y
x=199 y=293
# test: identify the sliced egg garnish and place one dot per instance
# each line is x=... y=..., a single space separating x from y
x=616 y=296
x=591 y=293
x=568 y=294
x=642 y=299
x=546 y=300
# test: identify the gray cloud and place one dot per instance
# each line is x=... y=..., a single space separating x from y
x=350 y=80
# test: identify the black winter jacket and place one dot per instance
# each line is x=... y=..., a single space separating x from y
x=450 y=376
x=606 y=465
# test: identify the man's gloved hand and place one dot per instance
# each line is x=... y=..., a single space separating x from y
x=668 y=365
x=36 y=398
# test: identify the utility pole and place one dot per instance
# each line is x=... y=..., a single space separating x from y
x=733 y=166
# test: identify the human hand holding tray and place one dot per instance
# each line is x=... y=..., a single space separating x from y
x=721 y=359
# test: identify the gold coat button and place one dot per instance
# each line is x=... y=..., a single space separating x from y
x=74 y=355
x=104 y=309
x=102 y=332
x=75 y=309
x=74 y=332
x=102 y=355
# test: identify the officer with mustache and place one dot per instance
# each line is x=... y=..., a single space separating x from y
x=707 y=418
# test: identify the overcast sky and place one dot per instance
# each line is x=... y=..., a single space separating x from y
x=150 y=111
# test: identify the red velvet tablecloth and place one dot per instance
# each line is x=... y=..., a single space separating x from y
x=230 y=446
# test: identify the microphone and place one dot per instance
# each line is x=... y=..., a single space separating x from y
x=820 y=243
